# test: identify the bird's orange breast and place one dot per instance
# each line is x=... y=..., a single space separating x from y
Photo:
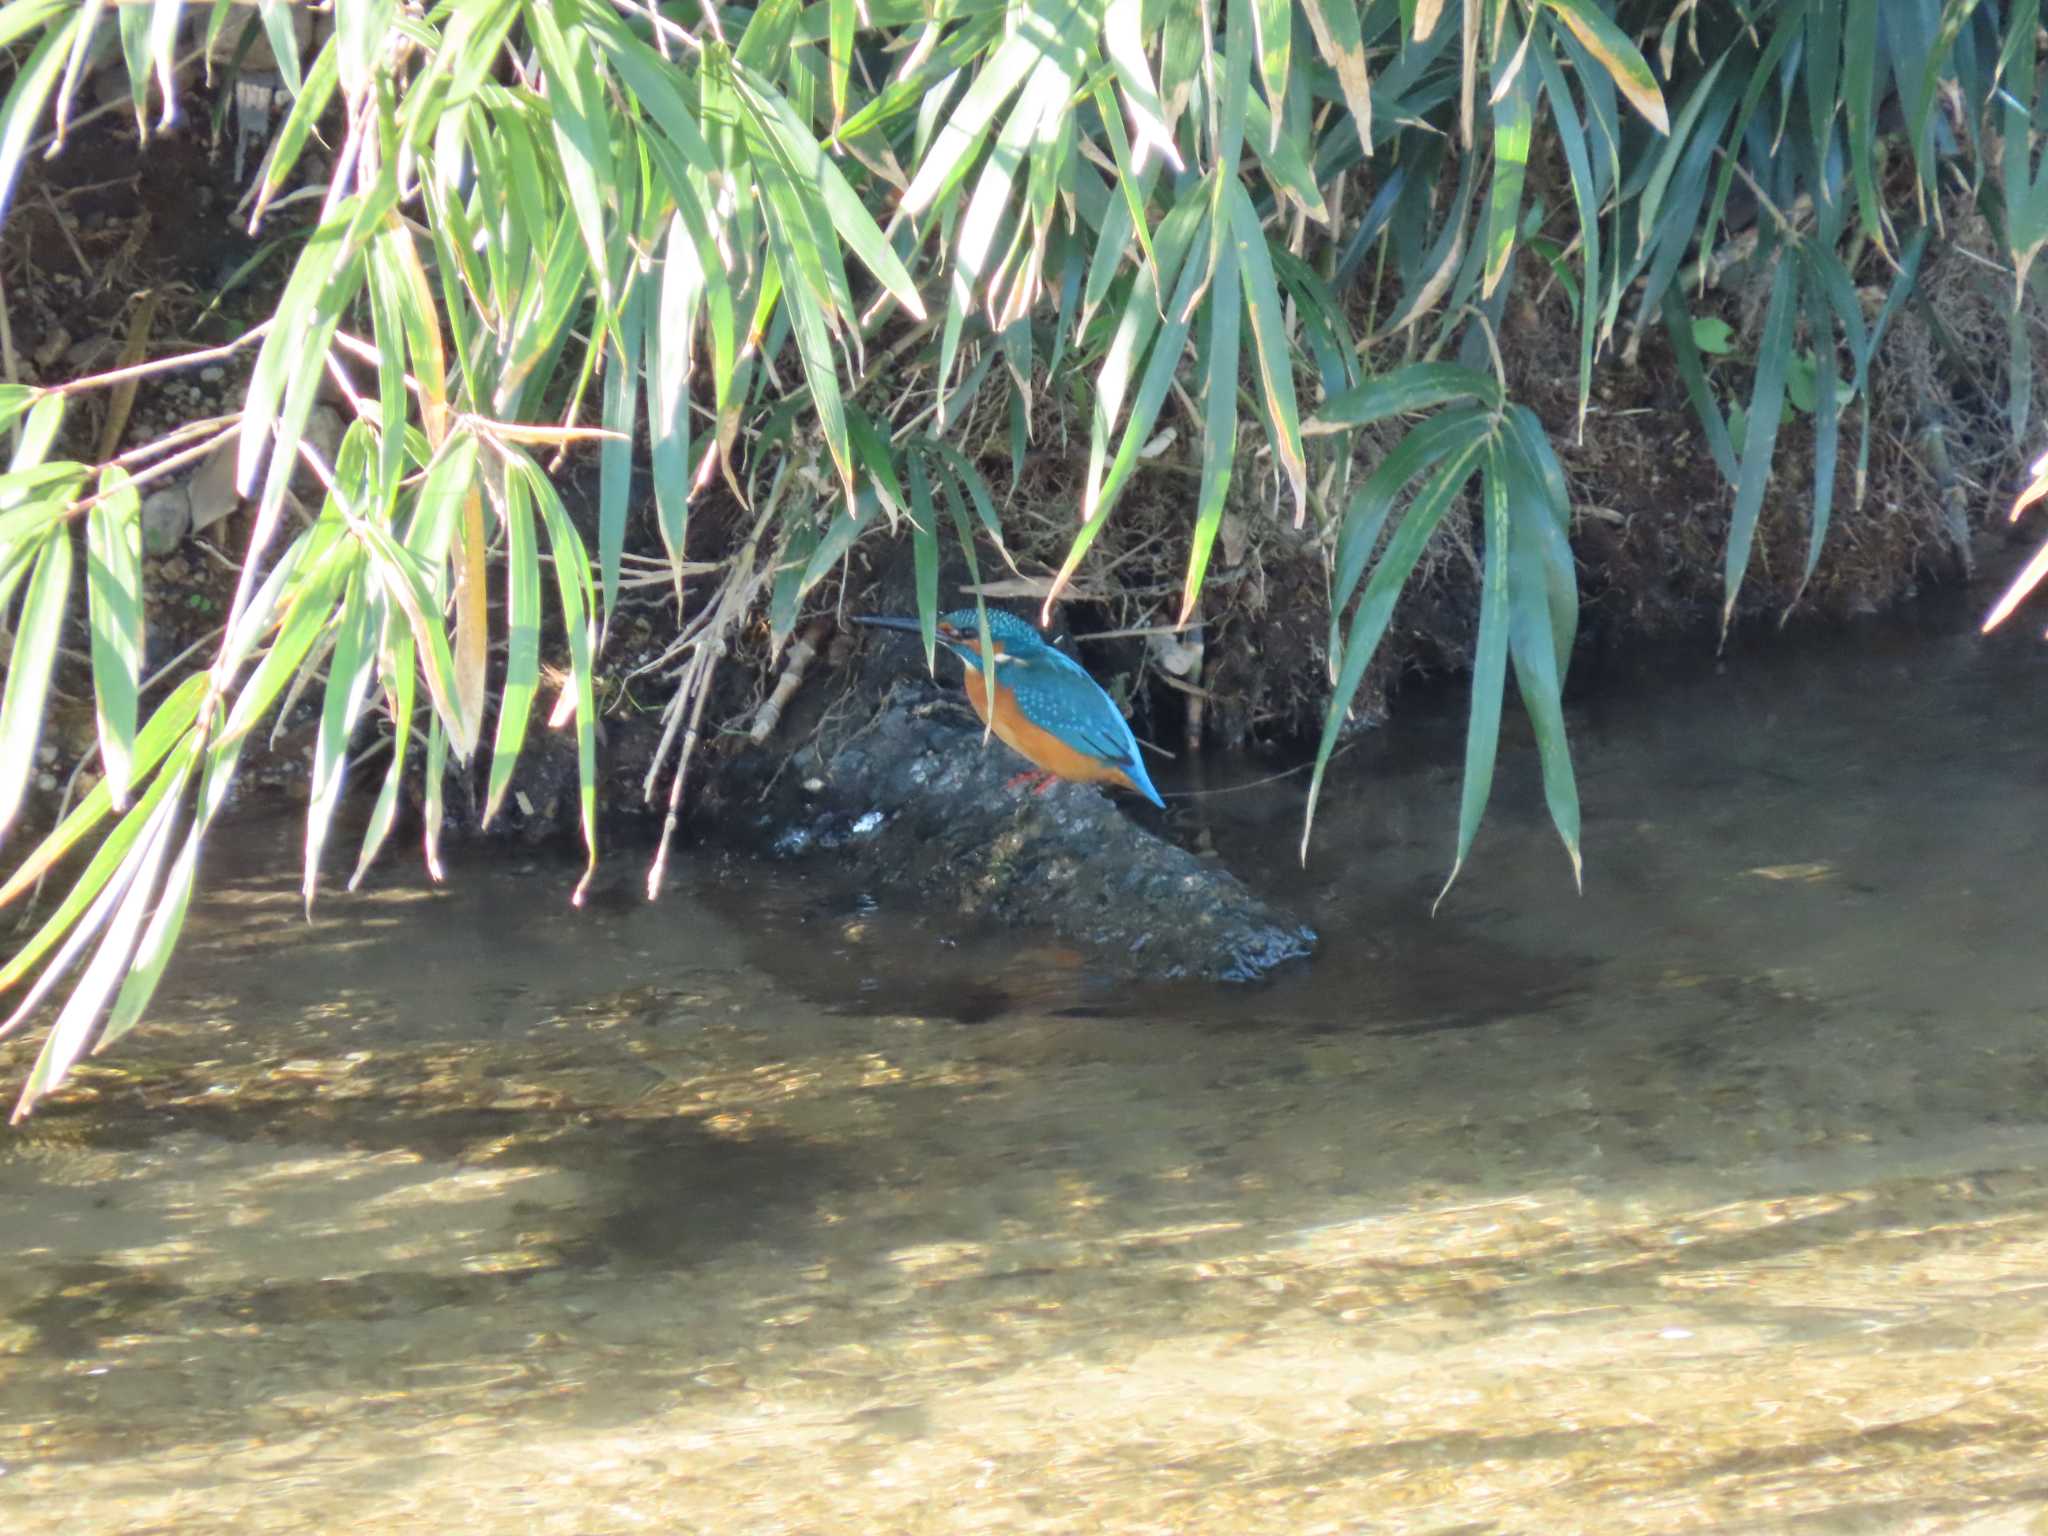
x=1033 y=742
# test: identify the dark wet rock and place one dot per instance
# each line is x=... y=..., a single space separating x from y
x=914 y=802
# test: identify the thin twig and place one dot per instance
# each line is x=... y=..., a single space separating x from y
x=162 y=364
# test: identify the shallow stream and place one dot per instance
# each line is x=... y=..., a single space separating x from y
x=1716 y=1198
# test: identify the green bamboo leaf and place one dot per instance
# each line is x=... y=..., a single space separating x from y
x=971 y=481
x=522 y=642
x=308 y=616
x=1160 y=369
x=170 y=721
x=396 y=667
x=1537 y=486
x=1135 y=328
x=28 y=670
x=140 y=854
x=128 y=900
x=83 y=37
x=843 y=213
x=113 y=571
x=1536 y=646
x=1040 y=25
x=350 y=668
x=1408 y=389
x=839 y=536
x=1859 y=105
x=284 y=41
x=1376 y=607
x=22 y=112
x=363 y=28
x=975 y=280
x=1123 y=40
x=1766 y=402
x=839 y=57
x=1693 y=374
x=1489 y=668
x=1586 y=199
x=146 y=969
x=765 y=43
x=574 y=588
x=1286 y=164
x=1513 y=120
x=1342 y=45
x=305 y=319
x=308 y=107
x=1273 y=26
x=671 y=326
x=1827 y=428
x=436 y=784
x=924 y=529
x=1233 y=95
x=1625 y=65
x=1124 y=216
x=788 y=235
x=1269 y=334
x=107 y=861
x=580 y=118
x=45 y=416
x=1421 y=448
x=1681 y=142
x=1219 y=400
x=615 y=457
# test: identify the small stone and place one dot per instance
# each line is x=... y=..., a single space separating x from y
x=46 y=754
x=212 y=375
x=47 y=783
x=211 y=491
x=166 y=516
x=175 y=569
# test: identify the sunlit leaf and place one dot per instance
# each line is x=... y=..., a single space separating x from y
x=114 y=586
x=28 y=671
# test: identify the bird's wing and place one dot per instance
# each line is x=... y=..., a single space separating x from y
x=1082 y=716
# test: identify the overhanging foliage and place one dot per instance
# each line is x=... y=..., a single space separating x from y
x=739 y=230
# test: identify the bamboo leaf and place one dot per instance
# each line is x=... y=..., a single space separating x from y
x=1408 y=389
x=129 y=899
x=1342 y=45
x=29 y=668
x=615 y=457
x=395 y=666
x=1219 y=404
x=1766 y=402
x=89 y=890
x=1269 y=334
x=1513 y=119
x=170 y=721
x=574 y=589
x=1489 y=667
x=1376 y=607
x=350 y=668
x=1123 y=40
x=1625 y=65
x=114 y=587
x=924 y=541
x=22 y=112
x=671 y=326
x=522 y=641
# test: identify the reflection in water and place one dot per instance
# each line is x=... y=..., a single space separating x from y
x=1717 y=1198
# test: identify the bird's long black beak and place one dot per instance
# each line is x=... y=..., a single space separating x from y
x=888 y=621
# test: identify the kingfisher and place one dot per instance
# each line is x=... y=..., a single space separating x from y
x=1041 y=702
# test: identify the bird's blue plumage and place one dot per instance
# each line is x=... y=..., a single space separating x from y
x=1053 y=690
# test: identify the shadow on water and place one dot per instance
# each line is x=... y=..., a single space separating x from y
x=1717 y=1196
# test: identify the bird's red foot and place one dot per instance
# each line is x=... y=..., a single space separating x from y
x=1039 y=780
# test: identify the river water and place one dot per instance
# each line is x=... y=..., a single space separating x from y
x=1713 y=1199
